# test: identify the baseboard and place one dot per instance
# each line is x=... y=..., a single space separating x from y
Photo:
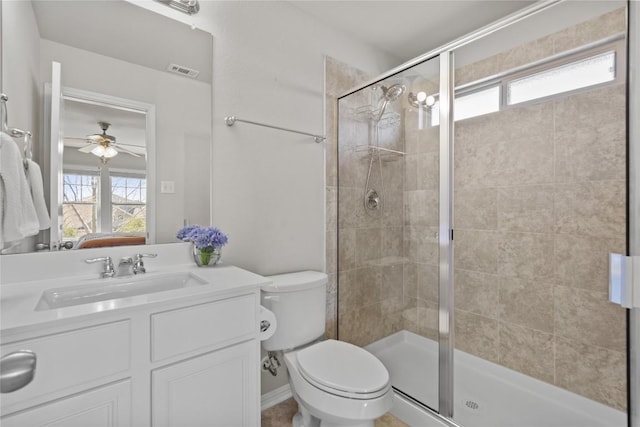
x=276 y=396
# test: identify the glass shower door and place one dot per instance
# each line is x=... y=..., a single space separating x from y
x=540 y=201
x=388 y=216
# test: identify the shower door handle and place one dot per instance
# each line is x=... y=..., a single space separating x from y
x=624 y=280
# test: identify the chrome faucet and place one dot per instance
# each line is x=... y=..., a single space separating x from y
x=138 y=265
x=125 y=264
x=108 y=266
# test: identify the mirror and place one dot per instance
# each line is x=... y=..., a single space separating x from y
x=104 y=177
x=118 y=62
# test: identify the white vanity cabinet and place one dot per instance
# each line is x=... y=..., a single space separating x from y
x=107 y=406
x=215 y=389
x=189 y=362
x=68 y=364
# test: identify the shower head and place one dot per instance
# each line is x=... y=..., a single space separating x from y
x=393 y=92
x=390 y=94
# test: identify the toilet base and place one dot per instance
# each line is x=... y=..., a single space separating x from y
x=304 y=419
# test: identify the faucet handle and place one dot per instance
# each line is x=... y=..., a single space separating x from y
x=138 y=265
x=108 y=265
x=106 y=259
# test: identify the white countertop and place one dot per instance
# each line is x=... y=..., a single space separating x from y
x=19 y=299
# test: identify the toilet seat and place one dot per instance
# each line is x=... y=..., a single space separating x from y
x=343 y=369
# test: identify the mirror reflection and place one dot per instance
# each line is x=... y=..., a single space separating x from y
x=103 y=175
x=109 y=169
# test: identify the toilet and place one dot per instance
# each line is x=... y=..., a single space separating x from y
x=335 y=383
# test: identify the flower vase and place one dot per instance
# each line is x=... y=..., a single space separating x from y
x=206 y=257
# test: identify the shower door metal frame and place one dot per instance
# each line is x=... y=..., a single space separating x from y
x=633 y=124
x=445 y=239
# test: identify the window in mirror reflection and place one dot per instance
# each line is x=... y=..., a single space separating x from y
x=84 y=202
x=128 y=204
x=79 y=207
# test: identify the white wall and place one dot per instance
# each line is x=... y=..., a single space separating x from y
x=268 y=186
x=20 y=58
x=182 y=120
x=20 y=74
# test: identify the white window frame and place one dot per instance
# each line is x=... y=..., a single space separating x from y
x=617 y=47
x=615 y=44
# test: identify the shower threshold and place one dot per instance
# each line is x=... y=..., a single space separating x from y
x=487 y=394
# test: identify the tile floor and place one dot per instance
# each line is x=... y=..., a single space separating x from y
x=281 y=414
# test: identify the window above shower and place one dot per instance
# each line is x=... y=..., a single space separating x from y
x=585 y=69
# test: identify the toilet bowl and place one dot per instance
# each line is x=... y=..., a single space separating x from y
x=338 y=384
x=335 y=383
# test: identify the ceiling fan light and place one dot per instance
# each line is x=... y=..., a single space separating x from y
x=110 y=152
x=98 y=151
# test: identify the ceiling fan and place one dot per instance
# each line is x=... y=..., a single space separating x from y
x=103 y=145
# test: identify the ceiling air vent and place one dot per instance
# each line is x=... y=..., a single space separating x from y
x=183 y=71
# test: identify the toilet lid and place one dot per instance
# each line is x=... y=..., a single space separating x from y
x=337 y=366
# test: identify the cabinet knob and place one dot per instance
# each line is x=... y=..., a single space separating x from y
x=17 y=369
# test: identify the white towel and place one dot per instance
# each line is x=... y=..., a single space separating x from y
x=18 y=217
x=34 y=177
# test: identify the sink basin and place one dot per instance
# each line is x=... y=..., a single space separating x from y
x=109 y=289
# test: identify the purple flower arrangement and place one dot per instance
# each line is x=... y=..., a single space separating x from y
x=203 y=237
x=207 y=242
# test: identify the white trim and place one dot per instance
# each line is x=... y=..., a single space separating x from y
x=56 y=148
x=276 y=396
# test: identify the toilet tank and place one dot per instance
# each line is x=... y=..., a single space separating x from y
x=298 y=300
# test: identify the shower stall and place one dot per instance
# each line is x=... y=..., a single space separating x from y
x=480 y=190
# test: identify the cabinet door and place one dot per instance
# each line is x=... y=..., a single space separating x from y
x=216 y=389
x=108 y=406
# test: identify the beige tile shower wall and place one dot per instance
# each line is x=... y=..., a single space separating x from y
x=366 y=246
x=339 y=78
x=539 y=202
x=421 y=194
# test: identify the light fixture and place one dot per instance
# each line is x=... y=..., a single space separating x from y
x=421 y=99
x=110 y=152
x=106 y=152
x=98 y=151
x=189 y=7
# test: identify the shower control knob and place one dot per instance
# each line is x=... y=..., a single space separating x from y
x=372 y=200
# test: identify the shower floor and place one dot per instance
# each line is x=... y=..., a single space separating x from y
x=487 y=394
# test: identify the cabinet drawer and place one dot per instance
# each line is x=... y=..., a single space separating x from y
x=71 y=361
x=203 y=326
x=108 y=406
